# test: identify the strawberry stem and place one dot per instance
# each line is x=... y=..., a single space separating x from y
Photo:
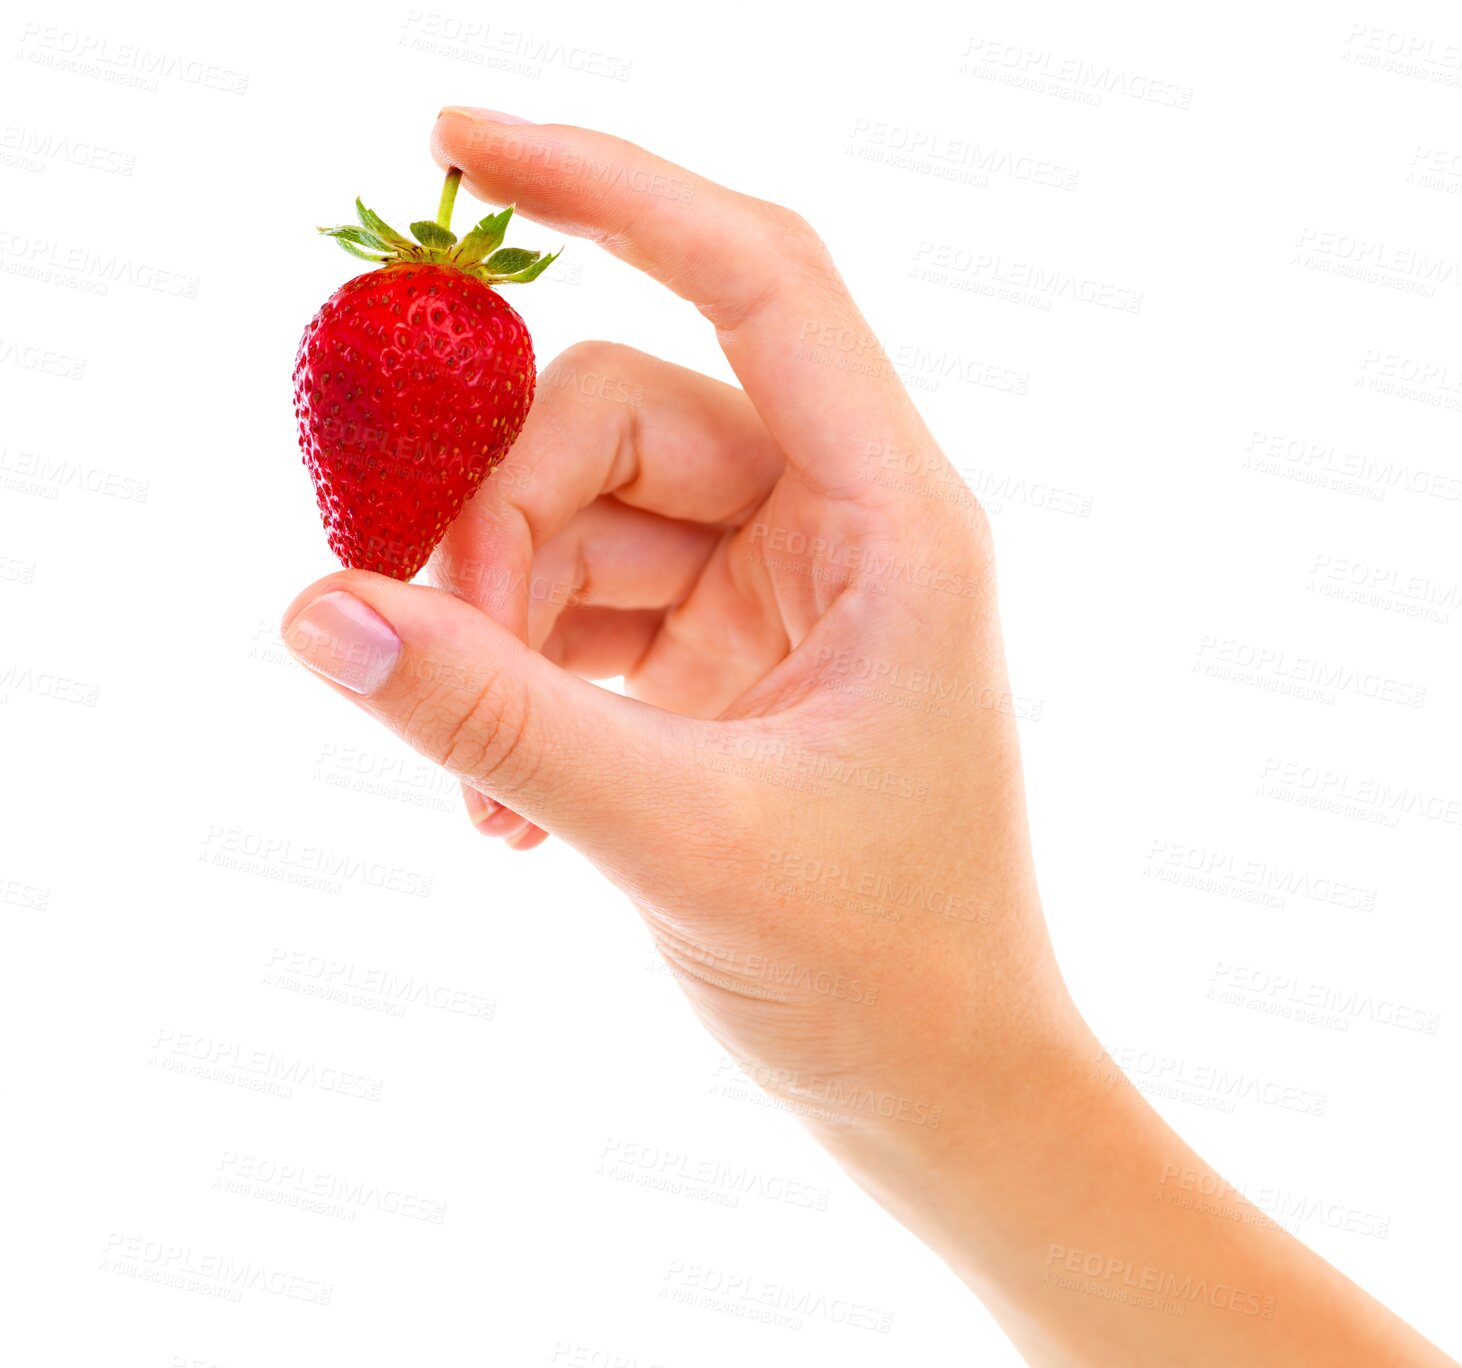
x=481 y=253
x=449 y=198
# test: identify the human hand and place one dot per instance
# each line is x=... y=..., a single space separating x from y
x=813 y=792
x=815 y=800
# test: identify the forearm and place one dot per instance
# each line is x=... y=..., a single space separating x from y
x=1050 y=1197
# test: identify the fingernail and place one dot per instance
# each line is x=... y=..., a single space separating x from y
x=341 y=638
x=479 y=806
x=484 y=115
x=503 y=822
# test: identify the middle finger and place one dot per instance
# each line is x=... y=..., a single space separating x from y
x=606 y=420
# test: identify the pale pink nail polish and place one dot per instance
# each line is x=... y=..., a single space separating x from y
x=503 y=822
x=341 y=638
x=484 y=115
x=479 y=806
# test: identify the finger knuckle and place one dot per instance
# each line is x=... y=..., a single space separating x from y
x=794 y=237
x=933 y=472
x=587 y=355
x=975 y=521
x=477 y=733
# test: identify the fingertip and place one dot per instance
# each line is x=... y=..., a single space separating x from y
x=342 y=638
x=474 y=115
x=504 y=822
x=460 y=133
x=301 y=601
x=480 y=808
x=355 y=582
x=441 y=139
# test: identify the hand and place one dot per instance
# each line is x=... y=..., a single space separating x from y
x=813 y=792
x=821 y=774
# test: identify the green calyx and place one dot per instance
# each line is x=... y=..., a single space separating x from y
x=481 y=253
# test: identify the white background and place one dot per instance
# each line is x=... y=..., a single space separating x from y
x=1185 y=491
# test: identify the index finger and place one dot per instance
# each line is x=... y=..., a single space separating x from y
x=757 y=271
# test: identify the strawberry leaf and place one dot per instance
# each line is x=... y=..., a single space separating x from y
x=532 y=271
x=431 y=234
x=480 y=254
x=486 y=237
x=509 y=260
x=359 y=236
x=373 y=223
x=364 y=256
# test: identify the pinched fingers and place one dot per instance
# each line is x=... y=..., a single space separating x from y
x=757 y=271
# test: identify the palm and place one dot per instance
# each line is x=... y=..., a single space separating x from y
x=753 y=602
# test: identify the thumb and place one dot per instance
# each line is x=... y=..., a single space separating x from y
x=602 y=771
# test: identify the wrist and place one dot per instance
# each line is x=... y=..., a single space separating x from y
x=964 y=1114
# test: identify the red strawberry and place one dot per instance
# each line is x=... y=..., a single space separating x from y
x=412 y=382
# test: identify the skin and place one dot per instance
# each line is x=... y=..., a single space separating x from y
x=840 y=875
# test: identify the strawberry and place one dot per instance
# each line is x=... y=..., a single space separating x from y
x=412 y=382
